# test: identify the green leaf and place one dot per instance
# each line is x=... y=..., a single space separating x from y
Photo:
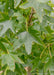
x=16 y=3
x=37 y=6
x=7 y=25
x=19 y=17
x=10 y=73
x=27 y=39
x=7 y=59
x=27 y=26
x=2 y=7
x=49 y=66
x=10 y=59
x=2 y=47
x=4 y=17
x=20 y=20
x=43 y=1
x=17 y=59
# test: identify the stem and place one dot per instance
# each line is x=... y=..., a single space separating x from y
x=30 y=17
x=49 y=52
x=37 y=71
x=49 y=72
x=28 y=22
x=42 y=52
x=5 y=71
x=29 y=71
x=1 y=72
x=26 y=25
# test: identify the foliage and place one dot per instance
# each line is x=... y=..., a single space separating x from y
x=26 y=37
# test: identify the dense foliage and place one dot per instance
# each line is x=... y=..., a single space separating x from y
x=26 y=37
